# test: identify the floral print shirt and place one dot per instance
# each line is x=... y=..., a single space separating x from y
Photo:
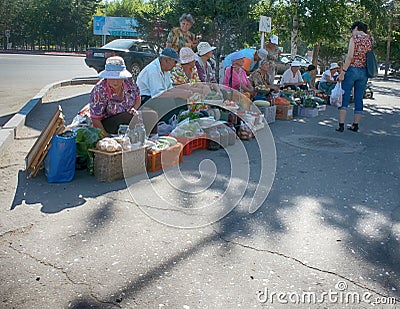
x=179 y=77
x=104 y=103
x=259 y=78
x=362 y=44
x=178 y=39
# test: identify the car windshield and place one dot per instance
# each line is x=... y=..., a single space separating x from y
x=301 y=59
x=119 y=44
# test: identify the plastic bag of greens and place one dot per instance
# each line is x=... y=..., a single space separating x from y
x=86 y=138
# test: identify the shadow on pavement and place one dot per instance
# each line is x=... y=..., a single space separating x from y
x=55 y=197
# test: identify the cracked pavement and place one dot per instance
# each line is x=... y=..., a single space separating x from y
x=330 y=224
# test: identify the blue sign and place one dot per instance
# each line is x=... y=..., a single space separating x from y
x=117 y=26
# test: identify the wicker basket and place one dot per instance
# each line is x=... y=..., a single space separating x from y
x=111 y=166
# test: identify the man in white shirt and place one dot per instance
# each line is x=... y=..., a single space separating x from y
x=292 y=79
x=155 y=78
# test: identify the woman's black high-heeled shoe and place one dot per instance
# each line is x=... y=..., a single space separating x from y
x=353 y=127
x=340 y=128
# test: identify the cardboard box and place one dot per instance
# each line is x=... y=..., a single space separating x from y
x=284 y=112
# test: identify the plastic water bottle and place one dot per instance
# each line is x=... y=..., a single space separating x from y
x=140 y=131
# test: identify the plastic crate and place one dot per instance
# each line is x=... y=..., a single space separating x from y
x=111 y=166
x=156 y=160
x=190 y=144
x=308 y=112
x=269 y=113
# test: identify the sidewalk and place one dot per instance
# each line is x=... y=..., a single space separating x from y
x=331 y=222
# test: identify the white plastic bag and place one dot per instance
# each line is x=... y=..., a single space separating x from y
x=337 y=95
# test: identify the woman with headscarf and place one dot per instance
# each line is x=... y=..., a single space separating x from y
x=260 y=78
x=354 y=74
x=181 y=36
x=235 y=76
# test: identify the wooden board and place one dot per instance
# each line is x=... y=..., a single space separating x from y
x=36 y=155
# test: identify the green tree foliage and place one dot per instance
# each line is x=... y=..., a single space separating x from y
x=230 y=25
x=48 y=23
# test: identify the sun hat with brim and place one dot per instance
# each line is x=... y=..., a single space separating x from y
x=237 y=55
x=295 y=64
x=187 y=55
x=171 y=53
x=334 y=65
x=115 y=69
x=204 y=48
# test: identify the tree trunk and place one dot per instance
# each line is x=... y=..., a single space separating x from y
x=295 y=29
x=315 y=59
x=387 y=60
x=294 y=36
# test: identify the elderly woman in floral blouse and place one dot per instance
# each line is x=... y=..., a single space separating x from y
x=186 y=71
x=114 y=100
x=181 y=36
x=260 y=78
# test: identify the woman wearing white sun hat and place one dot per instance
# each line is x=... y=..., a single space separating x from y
x=115 y=94
x=185 y=72
x=204 y=53
x=114 y=100
x=328 y=79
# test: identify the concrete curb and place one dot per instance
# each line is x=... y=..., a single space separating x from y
x=9 y=131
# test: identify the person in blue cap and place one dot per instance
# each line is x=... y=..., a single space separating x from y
x=155 y=78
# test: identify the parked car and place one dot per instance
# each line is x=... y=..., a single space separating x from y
x=286 y=59
x=136 y=54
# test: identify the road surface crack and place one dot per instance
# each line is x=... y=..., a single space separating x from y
x=48 y=264
x=301 y=263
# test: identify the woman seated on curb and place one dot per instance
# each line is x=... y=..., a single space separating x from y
x=235 y=76
x=260 y=79
x=309 y=75
x=328 y=79
x=115 y=99
x=185 y=72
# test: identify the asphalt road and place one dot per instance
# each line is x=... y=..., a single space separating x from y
x=23 y=76
x=327 y=236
